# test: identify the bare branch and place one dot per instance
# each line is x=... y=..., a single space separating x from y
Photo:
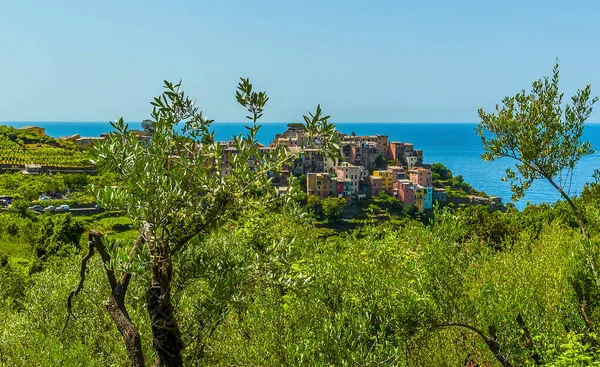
x=79 y=286
x=126 y=276
x=490 y=341
x=95 y=238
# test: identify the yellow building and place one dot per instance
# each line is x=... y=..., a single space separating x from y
x=420 y=198
x=387 y=178
x=34 y=129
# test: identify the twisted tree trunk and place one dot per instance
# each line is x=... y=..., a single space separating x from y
x=131 y=336
x=491 y=341
x=116 y=300
x=590 y=256
x=166 y=335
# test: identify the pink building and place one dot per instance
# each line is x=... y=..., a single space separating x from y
x=404 y=191
x=375 y=183
x=421 y=176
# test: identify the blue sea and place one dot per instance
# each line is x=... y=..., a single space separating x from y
x=454 y=144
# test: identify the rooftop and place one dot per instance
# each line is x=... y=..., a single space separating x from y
x=419 y=169
x=29 y=127
x=73 y=136
x=396 y=168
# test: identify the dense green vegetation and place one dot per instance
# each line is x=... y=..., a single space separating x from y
x=273 y=289
x=74 y=186
x=196 y=267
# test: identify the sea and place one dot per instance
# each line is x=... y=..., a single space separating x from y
x=453 y=144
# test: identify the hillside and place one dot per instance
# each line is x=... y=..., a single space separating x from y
x=19 y=148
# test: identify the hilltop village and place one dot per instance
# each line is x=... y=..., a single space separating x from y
x=369 y=166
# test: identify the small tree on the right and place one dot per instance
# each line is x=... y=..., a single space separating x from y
x=542 y=134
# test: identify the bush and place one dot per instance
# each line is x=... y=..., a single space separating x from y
x=333 y=208
x=57 y=235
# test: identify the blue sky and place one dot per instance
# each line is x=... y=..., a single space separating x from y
x=361 y=60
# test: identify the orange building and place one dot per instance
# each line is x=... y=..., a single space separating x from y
x=318 y=184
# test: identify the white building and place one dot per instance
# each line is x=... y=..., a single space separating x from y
x=356 y=174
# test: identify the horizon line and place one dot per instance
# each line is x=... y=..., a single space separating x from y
x=260 y=122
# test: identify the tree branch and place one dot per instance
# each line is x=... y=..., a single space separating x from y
x=116 y=300
x=491 y=342
x=95 y=238
x=79 y=286
x=126 y=276
x=543 y=173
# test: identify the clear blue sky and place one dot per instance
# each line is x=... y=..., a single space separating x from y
x=362 y=60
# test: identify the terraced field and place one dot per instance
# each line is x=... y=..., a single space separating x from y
x=16 y=154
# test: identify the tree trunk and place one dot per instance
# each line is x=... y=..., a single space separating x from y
x=165 y=331
x=131 y=336
x=116 y=301
x=571 y=204
x=491 y=341
x=591 y=259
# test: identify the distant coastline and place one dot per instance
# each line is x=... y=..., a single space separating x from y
x=453 y=144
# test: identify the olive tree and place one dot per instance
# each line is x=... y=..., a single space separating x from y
x=542 y=134
x=178 y=187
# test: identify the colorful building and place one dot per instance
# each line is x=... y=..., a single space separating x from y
x=387 y=178
x=428 y=198
x=337 y=187
x=404 y=191
x=356 y=174
x=405 y=154
x=420 y=198
x=375 y=184
x=342 y=187
x=421 y=176
x=423 y=197
x=318 y=184
x=398 y=173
